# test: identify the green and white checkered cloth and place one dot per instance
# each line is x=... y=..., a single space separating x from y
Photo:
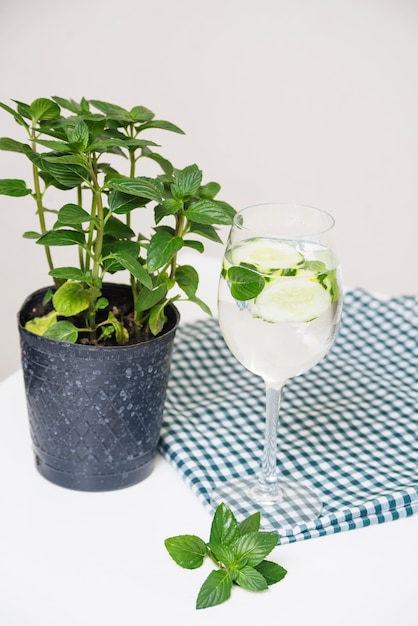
x=348 y=428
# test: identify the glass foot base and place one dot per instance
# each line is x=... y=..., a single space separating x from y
x=295 y=503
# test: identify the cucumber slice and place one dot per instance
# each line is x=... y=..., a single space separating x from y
x=293 y=299
x=267 y=255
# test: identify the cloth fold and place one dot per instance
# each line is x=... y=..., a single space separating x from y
x=348 y=428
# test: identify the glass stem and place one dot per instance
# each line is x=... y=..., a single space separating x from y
x=268 y=484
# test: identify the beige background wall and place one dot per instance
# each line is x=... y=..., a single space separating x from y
x=312 y=101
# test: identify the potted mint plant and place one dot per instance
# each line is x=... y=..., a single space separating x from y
x=96 y=353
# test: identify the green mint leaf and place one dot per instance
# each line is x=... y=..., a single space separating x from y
x=124 y=247
x=163 y=125
x=23 y=109
x=272 y=572
x=17 y=116
x=245 y=284
x=106 y=332
x=71 y=299
x=102 y=303
x=58 y=146
x=141 y=186
x=187 y=279
x=148 y=298
x=61 y=237
x=205 y=230
x=157 y=318
x=255 y=546
x=215 y=590
x=210 y=212
x=79 y=135
x=14 y=187
x=226 y=554
x=188 y=551
x=40 y=325
x=162 y=248
x=117 y=229
x=111 y=110
x=62 y=331
x=68 y=174
x=224 y=529
x=121 y=333
x=250 y=578
x=71 y=105
x=200 y=303
x=73 y=215
x=194 y=244
x=141 y=114
x=333 y=282
x=11 y=145
x=250 y=524
x=43 y=109
x=123 y=203
x=186 y=182
x=209 y=191
x=67 y=273
x=134 y=267
x=47 y=297
x=165 y=164
x=31 y=234
x=168 y=207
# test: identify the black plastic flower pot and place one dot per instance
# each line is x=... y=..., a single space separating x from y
x=95 y=412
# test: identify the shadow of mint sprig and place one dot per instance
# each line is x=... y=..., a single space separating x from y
x=237 y=549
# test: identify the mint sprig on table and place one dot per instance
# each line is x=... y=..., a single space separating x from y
x=237 y=549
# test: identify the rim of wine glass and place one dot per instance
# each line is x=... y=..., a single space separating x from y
x=287 y=205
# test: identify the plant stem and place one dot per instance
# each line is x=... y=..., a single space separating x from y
x=40 y=208
x=98 y=248
x=134 y=282
x=179 y=232
x=80 y=249
x=132 y=164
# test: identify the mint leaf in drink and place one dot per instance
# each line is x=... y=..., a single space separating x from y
x=237 y=549
x=245 y=283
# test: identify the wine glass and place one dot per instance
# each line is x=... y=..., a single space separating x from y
x=279 y=308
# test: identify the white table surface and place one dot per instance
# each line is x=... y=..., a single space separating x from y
x=72 y=558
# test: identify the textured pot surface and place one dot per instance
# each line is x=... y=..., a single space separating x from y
x=95 y=412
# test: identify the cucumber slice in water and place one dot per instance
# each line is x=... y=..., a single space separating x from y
x=293 y=299
x=267 y=255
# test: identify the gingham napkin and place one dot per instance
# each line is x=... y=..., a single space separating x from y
x=348 y=428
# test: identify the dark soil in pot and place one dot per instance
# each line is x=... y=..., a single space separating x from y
x=120 y=304
x=95 y=412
